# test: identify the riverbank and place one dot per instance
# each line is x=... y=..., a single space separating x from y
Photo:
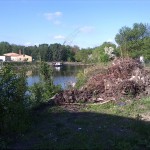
x=73 y=63
x=78 y=63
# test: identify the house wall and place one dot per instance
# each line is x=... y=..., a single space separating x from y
x=14 y=58
x=18 y=57
x=28 y=58
x=5 y=58
x=22 y=58
x=2 y=58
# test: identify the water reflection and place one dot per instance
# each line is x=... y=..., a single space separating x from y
x=57 y=68
x=63 y=75
x=64 y=81
x=32 y=79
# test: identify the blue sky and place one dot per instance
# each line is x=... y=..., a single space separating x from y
x=86 y=23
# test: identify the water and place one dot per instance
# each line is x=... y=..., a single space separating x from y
x=63 y=75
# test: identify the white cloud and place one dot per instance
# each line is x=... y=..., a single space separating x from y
x=53 y=17
x=58 y=13
x=86 y=29
x=59 y=37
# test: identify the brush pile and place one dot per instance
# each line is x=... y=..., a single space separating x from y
x=126 y=78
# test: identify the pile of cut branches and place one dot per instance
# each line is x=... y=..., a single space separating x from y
x=125 y=78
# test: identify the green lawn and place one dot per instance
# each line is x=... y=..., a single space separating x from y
x=125 y=125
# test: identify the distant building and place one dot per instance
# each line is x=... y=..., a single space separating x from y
x=5 y=58
x=19 y=57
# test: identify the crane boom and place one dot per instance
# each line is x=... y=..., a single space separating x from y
x=71 y=37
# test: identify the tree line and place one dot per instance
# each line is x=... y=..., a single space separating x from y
x=44 y=52
x=130 y=41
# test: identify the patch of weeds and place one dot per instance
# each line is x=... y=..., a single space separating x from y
x=144 y=143
x=82 y=122
x=81 y=79
x=59 y=125
x=3 y=143
x=99 y=107
x=80 y=140
x=122 y=145
x=39 y=134
x=56 y=109
x=64 y=132
x=142 y=128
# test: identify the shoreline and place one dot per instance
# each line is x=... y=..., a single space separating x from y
x=73 y=63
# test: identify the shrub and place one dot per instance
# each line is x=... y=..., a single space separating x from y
x=12 y=101
x=45 y=89
x=81 y=79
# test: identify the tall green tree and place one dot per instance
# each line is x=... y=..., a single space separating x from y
x=5 y=47
x=131 y=40
x=43 y=49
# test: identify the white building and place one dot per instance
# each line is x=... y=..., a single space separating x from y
x=5 y=58
x=19 y=57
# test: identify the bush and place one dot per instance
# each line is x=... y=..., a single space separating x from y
x=104 y=58
x=44 y=90
x=12 y=101
x=81 y=79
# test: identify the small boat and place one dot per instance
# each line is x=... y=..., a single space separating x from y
x=57 y=63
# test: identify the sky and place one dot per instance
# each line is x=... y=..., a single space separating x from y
x=85 y=23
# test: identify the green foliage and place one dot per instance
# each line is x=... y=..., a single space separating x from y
x=5 y=47
x=44 y=90
x=83 y=55
x=46 y=72
x=134 y=41
x=104 y=58
x=12 y=101
x=81 y=79
x=44 y=52
x=98 y=54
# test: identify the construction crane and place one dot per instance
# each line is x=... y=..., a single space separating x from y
x=71 y=37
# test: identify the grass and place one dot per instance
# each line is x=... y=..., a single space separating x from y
x=126 y=109
x=107 y=126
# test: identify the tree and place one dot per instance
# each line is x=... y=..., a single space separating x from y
x=5 y=47
x=58 y=52
x=83 y=55
x=12 y=101
x=44 y=52
x=132 y=39
x=55 y=50
x=43 y=48
x=99 y=53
